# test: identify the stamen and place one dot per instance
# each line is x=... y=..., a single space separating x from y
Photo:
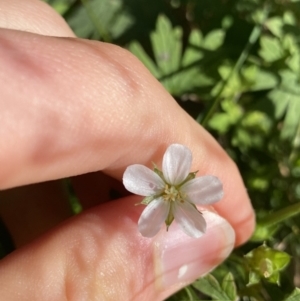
x=171 y=193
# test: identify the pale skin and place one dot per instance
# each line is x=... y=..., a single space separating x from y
x=70 y=107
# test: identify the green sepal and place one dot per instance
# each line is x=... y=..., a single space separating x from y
x=196 y=208
x=169 y=222
x=158 y=171
x=169 y=219
x=147 y=200
x=190 y=176
x=254 y=278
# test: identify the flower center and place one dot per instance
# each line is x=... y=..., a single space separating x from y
x=171 y=193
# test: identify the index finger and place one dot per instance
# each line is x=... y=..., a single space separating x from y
x=71 y=106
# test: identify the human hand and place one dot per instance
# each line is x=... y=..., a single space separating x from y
x=71 y=107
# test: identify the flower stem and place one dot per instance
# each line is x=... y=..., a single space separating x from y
x=280 y=215
x=237 y=67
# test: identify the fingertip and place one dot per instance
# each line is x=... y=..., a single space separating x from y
x=180 y=259
x=33 y=16
x=103 y=247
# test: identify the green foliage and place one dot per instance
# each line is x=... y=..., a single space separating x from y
x=105 y=19
x=178 y=72
x=295 y=295
x=265 y=262
x=210 y=286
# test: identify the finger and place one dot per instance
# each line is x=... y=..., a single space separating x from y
x=33 y=16
x=118 y=116
x=100 y=254
x=31 y=210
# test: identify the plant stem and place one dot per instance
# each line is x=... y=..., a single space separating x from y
x=238 y=65
x=280 y=215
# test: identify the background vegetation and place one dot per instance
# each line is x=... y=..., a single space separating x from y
x=234 y=65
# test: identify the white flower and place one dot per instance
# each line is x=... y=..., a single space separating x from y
x=172 y=193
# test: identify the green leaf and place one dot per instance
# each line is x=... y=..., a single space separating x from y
x=191 y=294
x=61 y=6
x=271 y=49
x=234 y=84
x=294 y=296
x=254 y=278
x=214 y=39
x=286 y=101
x=178 y=73
x=274 y=278
x=211 y=287
x=99 y=19
x=265 y=262
x=263 y=80
x=186 y=294
x=139 y=52
x=223 y=121
x=263 y=233
x=220 y=122
x=279 y=259
x=166 y=43
x=289 y=18
x=193 y=54
x=229 y=287
x=275 y=26
x=292 y=118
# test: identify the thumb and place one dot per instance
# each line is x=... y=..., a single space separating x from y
x=100 y=255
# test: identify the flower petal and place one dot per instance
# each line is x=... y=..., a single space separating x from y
x=153 y=217
x=141 y=180
x=189 y=219
x=203 y=190
x=177 y=163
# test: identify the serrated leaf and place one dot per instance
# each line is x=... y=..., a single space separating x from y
x=60 y=6
x=234 y=84
x=220 y=122
x=294 y=296
x=289 y=18
x=193 y=53
x=167 y=44
x=99 y=19
x=210 y=287
x=192 y=76
x=271 y=49
x=229 y=287
x=263 y=80
x=292 y=118
x=294 y=61
x=179 y=74
x=275 y=26
x=214 y=39
x=286 y=101
x=139 y=52
x=280 y=100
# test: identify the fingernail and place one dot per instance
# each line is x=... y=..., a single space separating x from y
x=180 y=259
